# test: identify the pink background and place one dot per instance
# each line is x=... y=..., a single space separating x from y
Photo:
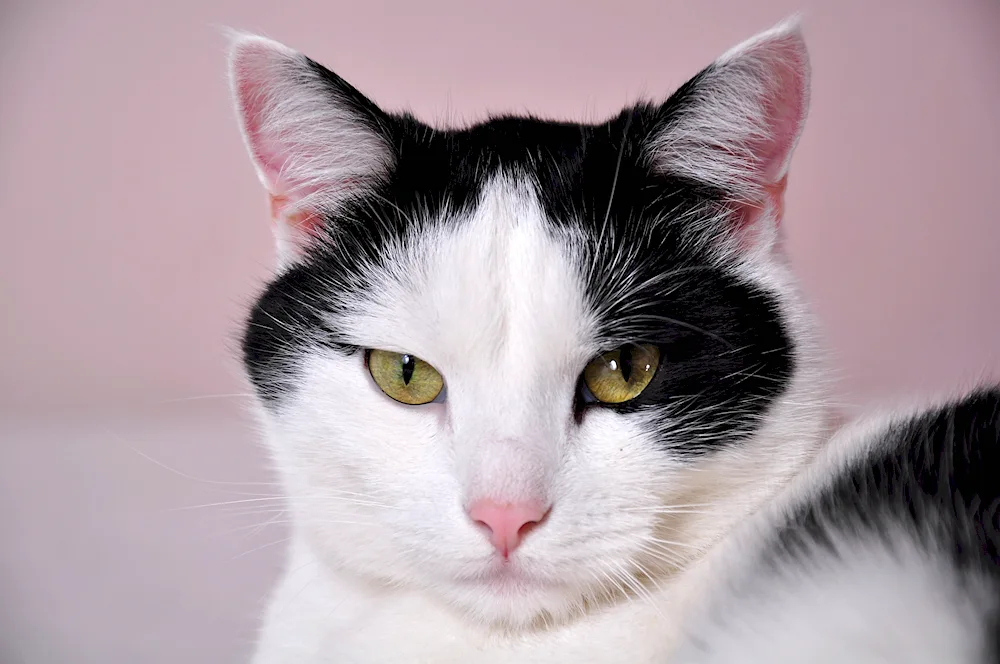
x=135 y=235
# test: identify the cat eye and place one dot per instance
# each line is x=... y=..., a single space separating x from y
x=404 y=378
x=622 y=374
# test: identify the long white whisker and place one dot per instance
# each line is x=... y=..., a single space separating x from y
x=225 y=502
x=191 y=477
x=262 y=546
x=203 y=397
x=673 y=543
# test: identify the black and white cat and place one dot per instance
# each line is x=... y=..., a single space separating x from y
x=546 y=392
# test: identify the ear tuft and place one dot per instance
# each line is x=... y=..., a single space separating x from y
x=735 y=125
x=314 y=139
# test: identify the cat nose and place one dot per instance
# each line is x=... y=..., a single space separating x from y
x=508 y=523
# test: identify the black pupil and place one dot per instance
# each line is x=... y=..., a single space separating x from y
x=408 y=365
x=625 y=362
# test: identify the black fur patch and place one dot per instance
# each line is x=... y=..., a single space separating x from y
x=726 y=353
x=937 y=476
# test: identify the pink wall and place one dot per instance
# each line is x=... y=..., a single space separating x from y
x=135 y=232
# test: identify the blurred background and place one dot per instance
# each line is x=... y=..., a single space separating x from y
x=135 y=235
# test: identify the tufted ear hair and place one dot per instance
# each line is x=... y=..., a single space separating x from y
x=735 y=125
x=313 y=138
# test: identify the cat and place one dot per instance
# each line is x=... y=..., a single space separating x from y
x=526 y=382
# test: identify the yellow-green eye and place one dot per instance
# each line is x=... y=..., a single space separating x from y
x=622 y=374
x=405 y=378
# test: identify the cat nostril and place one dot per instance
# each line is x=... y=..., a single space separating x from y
x=527 y=528
x=507 y=524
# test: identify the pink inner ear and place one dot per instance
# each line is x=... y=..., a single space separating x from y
x=747 y=215
x=252 y=95
x=302 y=221
x=774 y=195
x=784 y=106
x=252 y=71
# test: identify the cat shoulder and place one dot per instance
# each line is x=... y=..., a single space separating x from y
x=887 y=547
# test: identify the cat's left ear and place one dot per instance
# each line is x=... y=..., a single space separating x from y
x=314 y=139
x=734 y=126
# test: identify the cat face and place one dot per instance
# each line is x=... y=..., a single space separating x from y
x=527 y=366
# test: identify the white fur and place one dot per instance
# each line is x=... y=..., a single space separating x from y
x=871 y=606
x=384 y=565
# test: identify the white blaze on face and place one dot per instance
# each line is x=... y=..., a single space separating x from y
x=493 y=302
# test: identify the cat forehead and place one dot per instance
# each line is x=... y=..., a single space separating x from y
x=575 y=208
x=560 y=237
x=493 y=279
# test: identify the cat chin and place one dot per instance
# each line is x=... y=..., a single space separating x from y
x=499 y=596
x=510 y=597
x=515 y=604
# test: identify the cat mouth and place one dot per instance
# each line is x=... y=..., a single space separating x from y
x=507 y=576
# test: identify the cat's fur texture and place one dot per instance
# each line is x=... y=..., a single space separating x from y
x=508 y=255
x=885 y=549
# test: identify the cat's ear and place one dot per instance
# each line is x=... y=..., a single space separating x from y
x=313 y=138
x=735 y=125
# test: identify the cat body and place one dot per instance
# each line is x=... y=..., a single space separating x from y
x=523 y=382
x=886 y=548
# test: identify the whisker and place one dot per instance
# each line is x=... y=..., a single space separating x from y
x=205 y=397
x=637 y=587
x=236 y=513
x=615 y=585
x=258 y=527
x=684 y=545
x=618 y=168
x=686 y=505
x=646 y=573
x=666 y=510
x=225 y=502
x=272 y=521
x=191 y=477
x=263 y=546
x=664 y=556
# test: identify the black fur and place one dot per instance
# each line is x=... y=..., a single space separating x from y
x=942 y=467
x=726 y=355
x=936 y=476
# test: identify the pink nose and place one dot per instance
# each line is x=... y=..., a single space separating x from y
x=507 y=523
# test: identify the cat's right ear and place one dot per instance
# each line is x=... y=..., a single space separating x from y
x=313 y=138
x=735 y=125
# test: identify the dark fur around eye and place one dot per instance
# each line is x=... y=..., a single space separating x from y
x=727 y=354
